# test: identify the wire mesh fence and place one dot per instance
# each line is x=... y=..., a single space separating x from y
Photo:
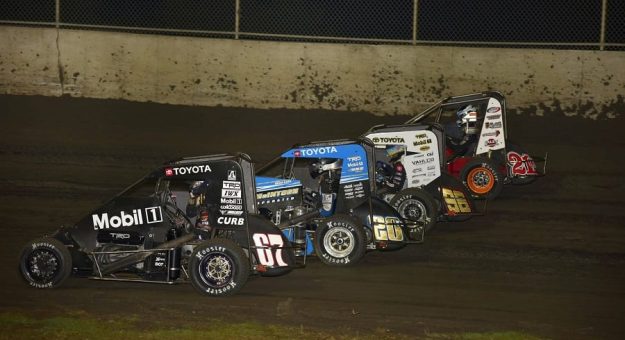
x=575 y=24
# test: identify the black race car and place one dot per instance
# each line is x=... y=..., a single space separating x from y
x=191 y=219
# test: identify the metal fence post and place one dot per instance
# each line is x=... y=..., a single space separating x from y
x=415 y=10
x=57 y=13
x=604 y=12
x=237 y=10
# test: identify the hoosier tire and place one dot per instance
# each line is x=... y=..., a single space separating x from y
x=482 y=178
x=45 y=263
x=218 y=267
x=340 y=241
x=416 y=205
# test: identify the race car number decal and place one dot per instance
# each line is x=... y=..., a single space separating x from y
x=266 y=244
x=456 y=201
x=387 y=228
x=521 y=164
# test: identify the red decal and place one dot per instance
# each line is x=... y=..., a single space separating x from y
x=169 y=172
x=521 y=164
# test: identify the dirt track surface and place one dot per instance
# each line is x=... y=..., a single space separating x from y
x=548 y=259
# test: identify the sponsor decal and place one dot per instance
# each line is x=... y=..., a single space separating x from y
x=491 y=134
x=187 y=170
x=230 y=220
x=491 y=142
x=421 y=136
x=415 y=170
x=355 y=164
x=388 y=140
x=423 y=161
x=354 y=159
x=231 y=207
x=135 y=217
x=431 y=167
x=231 y=212
x=231 y=193
x=424 y=148
x=493 y=109
x=231 y=201
x=232 y=175
x=493 y=125
x=416 y=181
x=493 y=117
x=232 y=185
x=422 y=142
x=119 y=236
x=277 y=193
x=315 y=151
x=521 y=164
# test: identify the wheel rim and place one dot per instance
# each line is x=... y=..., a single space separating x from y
x=216 y=269
x=339 y=242
x=480 y=180
x=414 y=210
x=42 y=265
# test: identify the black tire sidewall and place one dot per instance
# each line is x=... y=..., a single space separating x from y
x=492 y=167
x=426 y=199
x=60 y=252
x=235 y=255
x=357 y=233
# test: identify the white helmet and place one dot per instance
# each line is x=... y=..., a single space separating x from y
x=467 y=118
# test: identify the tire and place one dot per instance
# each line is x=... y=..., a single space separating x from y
x=482 y=178
x=218 y=267
x=416 y=205
x=45 y=263
x=518 y=180
x=340 y=241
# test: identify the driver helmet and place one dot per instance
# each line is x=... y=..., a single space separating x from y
x=467 y=118
x=324 y=164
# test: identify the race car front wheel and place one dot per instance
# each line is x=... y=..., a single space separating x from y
x=340 y=241
x=416 y=205
x=481 y=177
x=45 y=263
x=218 y=267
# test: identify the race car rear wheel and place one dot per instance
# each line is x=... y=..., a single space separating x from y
x=45 y=263
x=416 y=205
x=218 y=267
x=340 y=241
x=481 y=177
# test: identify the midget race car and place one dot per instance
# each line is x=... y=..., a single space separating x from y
x=410 y=170
x=323 y=196
x=478 y=151
x=193 y=219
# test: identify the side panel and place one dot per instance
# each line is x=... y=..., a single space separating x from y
x=492 y=136
x=452 y=195
x=270 y=246
x=417 y=151
x=387 y=226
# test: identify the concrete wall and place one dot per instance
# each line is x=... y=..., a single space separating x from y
x=376 y=78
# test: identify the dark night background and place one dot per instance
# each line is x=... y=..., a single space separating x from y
x=561 y=21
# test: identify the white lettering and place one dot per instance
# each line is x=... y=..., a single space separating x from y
x=230 y=220
x=124 y=219
x=195 y=169
x=319 y=151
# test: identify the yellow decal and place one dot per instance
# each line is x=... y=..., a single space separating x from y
x=456 y=201
x=387 y=228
